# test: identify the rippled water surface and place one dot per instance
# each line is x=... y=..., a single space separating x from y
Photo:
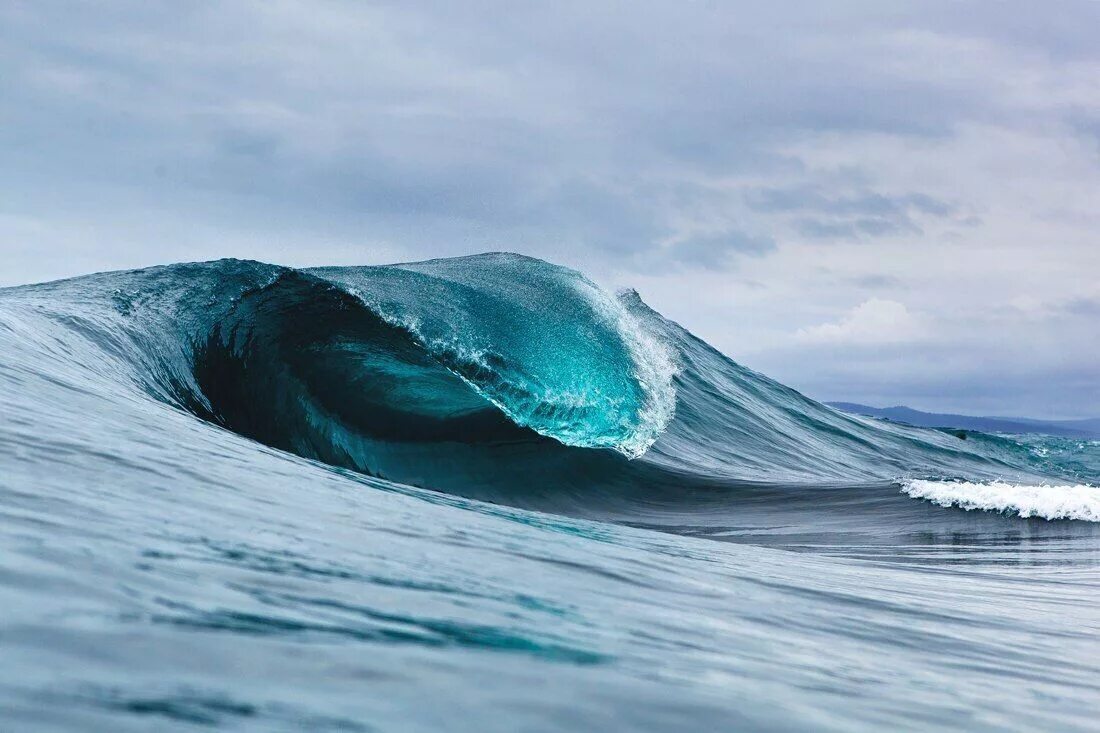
x=244 y=497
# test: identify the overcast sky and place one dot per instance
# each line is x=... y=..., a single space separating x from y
x=872 y=201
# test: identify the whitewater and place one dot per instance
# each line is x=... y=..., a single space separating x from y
x=483 y=493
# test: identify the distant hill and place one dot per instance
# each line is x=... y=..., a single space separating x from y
x=1066 y=428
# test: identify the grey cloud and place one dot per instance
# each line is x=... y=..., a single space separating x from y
x=717 y=251
x=856 y=228
x=868 y=203
x=429 y=119
x=942 y=377
x=862 y=214
x=876 y=282
x=659 y=141
x=1089 y=307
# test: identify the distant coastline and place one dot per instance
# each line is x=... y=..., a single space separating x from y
x=1088 y=428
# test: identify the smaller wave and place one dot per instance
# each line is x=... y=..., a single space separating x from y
x=1081 y=501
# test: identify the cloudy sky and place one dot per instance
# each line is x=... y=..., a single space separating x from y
x=875 y=201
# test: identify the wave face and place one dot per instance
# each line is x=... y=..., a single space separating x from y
x=220 y=453
x=464 y=375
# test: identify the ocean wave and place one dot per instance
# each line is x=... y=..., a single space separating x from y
x=1080 y=501
x=321 y=477
x=496 y=376
x=574 y=405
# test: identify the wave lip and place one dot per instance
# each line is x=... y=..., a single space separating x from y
x=546 y=346
x=1080 y=501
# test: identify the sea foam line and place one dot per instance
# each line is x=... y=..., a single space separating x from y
x=1080 y=502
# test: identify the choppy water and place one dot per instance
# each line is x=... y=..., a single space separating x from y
x=482 y=494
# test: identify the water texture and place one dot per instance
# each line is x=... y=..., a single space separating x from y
x=484 y=494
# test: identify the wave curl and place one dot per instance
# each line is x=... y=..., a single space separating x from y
x=495 y=376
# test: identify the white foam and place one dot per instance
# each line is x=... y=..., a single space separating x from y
x=655 y=367
x=1079 y=501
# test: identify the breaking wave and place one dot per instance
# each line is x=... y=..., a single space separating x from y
x=1080 y=501
x=498 y=377
x=238 y=495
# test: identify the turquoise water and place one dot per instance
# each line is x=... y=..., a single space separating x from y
x=484 y=494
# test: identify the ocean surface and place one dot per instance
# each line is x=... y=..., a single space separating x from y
x=484 y=494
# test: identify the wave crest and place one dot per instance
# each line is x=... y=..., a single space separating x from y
x=542 y=343
x=1079 y=501
x=493 y=375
